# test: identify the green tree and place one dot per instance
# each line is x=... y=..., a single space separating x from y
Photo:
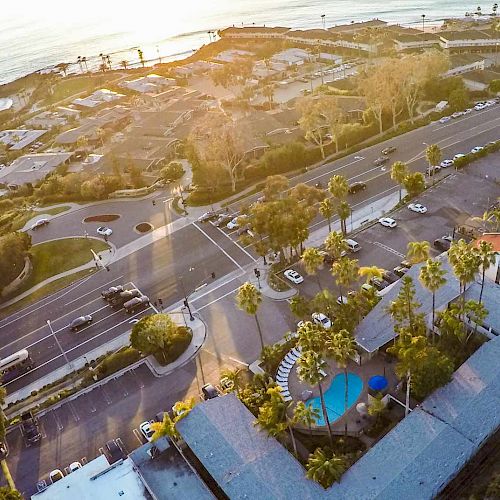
x=487 y=258
x=418 y=251
x=309 y=369
x=233 y=377
x=345 y=272
x=335 y=245
x=300 y=307
x=268 y=93
x=312 y=261
x=404 y=309
x=458 y=99
x=7 y=493
x=172 y=171
x=495 y=86
x=343 y=211
x=248 y=299
x=433 y=157
x=370 y=272
x=276 y=187
x=432 y=277
x=338 y=187
x=341 y=347
x=306 y=415
x=312 y=122
x=164 y=428
x=334 y=117
x=414 y=183
x=399 y=172
x=136 y=177
x=376 y=408
x=14 y=249
x=327 y=210
x=324 y=467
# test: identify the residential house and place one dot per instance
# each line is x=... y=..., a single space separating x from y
x=150 y=84
x=98 y=98
x=463 y=63
x=291 y=57
x=353 y=26
x=232 y=55
x=47 y=120
x=20 y=138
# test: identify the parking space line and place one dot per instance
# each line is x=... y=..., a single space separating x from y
x=105 y=394
x=137 y=378
x=121 y=445
x=60 y=427
x=73 y=411
x=138 y=435
x=389 y=249
x=217 y=245
x=217 y=299
x=123 y=389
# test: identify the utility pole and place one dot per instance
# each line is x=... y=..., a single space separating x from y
x=323 y=21
x=423 y=23
x=186 y=302
x=58 y=344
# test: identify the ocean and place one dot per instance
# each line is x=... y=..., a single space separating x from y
x=35 y=34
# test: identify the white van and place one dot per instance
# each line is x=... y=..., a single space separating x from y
x=353 y=246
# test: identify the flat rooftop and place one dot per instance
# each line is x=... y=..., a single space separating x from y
x=19 y=138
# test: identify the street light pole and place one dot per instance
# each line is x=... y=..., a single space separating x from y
x=323 y=22
x=57 y=342
x=423 y=23
x=186 y=302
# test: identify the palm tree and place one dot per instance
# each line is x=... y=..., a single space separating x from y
x=164 y=428
x=433 y=156
x=418 y=251
x=341 y=346
x=232 y=376
x=84 y=61
x=249 y=299
x=268 y=91
x=309 y=368
x=399 y=171
x=100 y=134
x=326 y=209
x=343 y=211
x=312 y=260
x=324 y=467
x=432 y=278
x=79 y=62
x=335 y=245
x=103 y=67
x=181 y=409
x=124 y=64
x=108 y=61
x=370 y=272
x=141 y=57
x=487 y=258
x=345 y=272
x=306 y=415
x=338 y=187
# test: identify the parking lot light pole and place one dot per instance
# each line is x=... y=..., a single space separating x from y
x=57 y=342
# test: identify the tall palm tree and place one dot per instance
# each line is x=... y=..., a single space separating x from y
x=268 y=92
x=399 y=171
x=164 y=428
x=84 y=61
x=433 y=157
x=324 y=467
x=249 y=299
x=141 y=57
x=345 y=271
x=418 y=251
x=309 y=368
x=312 y=261
x=335 y=244
x=432 y=277
x=181 y=409
x=306 y=415
x=327 y=210
x=370 y=272
x=487 y=258
x=341 y=346
x=79 y=62
x=343 y=211
x=124 y=64
x=338 y=187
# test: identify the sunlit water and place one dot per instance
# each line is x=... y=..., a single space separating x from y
x=36 y=34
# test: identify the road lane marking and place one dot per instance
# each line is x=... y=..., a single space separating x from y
x=102 y=287
x=217 y=300
x=217 y=245
x=237 y=244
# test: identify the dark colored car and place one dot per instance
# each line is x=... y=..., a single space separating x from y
x=442 y=244
x=115 y=452
x=356 y=187
x=29 y=426
x=136 y=303
x=400 y=271
x=222 y=220
x=327 y=258
x=381 y=161
x=209 y=392
x=378 y=283
x=80 y=322
x=122 y=297
x=406 y=263
x=388 y=150
x=390 y=277
x=111 y=292
x=160 y=416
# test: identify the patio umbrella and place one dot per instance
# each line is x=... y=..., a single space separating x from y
x=377 y=383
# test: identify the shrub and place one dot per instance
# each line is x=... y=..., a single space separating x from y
x=115 y=362
x=172 y=171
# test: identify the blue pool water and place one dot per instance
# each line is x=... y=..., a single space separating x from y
x=335 y=395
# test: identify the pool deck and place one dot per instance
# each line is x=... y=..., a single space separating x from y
x=378 y=365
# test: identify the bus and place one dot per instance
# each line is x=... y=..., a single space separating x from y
x=15 y=365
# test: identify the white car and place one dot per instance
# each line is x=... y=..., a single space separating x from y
x=479 y=106
x=293 y=276
x=146 y=430
x=104 y=231
x=445 y=119
x=416 y=207
x=468 y=111
x=490 y=103
x=341 y=300
x=74 y=466
x=40 y=223
x=457 y=114
x=233 y=224
x=457 y=156
x=321 y=320
x=433 y=170
x=477 y=149
x=387 y=222
x=446 y=163
x=55 y=475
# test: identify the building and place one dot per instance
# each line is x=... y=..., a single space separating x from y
x=331 y=58
x=20 y=138
x=32 y=168
x=291 y=57
x=463 y=63
x=493 y=272
x=232 y=55
x=253 y=32
x=99 y=97
x=353 y=26
x=470 y=40
x=47 y=120
x=407 y=41
x=150 y=84
x=155 y=470
x=479 y=80
x=196 y=68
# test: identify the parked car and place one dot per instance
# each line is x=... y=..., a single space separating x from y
x=367 y=288
x=433 y=170
x=406 y=263
x=233 y=223
x=445 y=119
x=30 y=428
x=55 y=475
x=207 y=216
x=209 y=392
x=39 y=223
x=111 y=292
x=223 y=219
x=80 y=322
x=417 y=207
x=468 y=111
x=321 y=320
x=132 y=305
x=477 y=149
x=355 y=187
x=458 y=156
x=115 y=452
x=400 y=271
x=446 y=163
x=146 y=430
x=293 y=276
x=378 y=283
x=74 y=466
x=381 y=160
x=442 y=244
x=387 y=222
x=457 y=114
x=104 y=231
x=388 y=150
x=390 y=277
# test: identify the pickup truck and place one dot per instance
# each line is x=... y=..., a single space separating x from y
x=29 y=425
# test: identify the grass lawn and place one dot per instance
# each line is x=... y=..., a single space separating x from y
x=44 y=291
x=54 y=257
x=56 y=210
x=13 y=220
x=67 y=87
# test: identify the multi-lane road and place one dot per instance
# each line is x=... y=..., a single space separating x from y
x=197 y=250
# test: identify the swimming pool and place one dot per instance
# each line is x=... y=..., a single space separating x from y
x=335 y=395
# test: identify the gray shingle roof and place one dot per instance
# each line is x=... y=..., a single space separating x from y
x=377 y=328
x=244 y=461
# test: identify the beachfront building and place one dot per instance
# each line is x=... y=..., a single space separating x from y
x=150 y=84
x=232 y=55
x=18 y=139
x=415 y=41
x=196 y=68
x=97 y=98
x=470 y=40
x=463 y=63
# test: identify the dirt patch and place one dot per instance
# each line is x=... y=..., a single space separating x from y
x=101 y=218
x=143 y=227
